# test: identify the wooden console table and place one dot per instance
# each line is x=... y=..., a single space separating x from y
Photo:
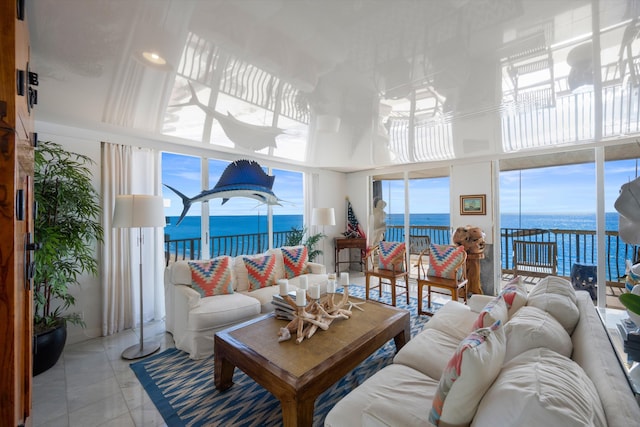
x=344 y=243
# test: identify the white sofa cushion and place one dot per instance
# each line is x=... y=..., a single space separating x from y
x=559 y=306
x=543 y=388
x=530 y=328
x=554 y=285
x=469 y=373
x=264 y=296
x=395 y=396
x=222 y=310
x=428 y=352
x=454 y=318
x=477 y=302
x=556 y=295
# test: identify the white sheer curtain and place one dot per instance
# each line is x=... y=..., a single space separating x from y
x=129 y=170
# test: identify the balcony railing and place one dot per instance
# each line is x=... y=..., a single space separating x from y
x=241 y=244
x=574 y=246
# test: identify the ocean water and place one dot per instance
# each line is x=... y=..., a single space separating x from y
x=229 y=225
x=251 y=224
x=544 y=221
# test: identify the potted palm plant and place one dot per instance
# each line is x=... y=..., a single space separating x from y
x=295 y=237
x=67 y=226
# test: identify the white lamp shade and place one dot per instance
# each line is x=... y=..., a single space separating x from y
x=323 y=216
x=138 y=210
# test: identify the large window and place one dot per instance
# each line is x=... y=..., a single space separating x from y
x=558 y=203
x=428 y=201
x=182 y=173
x=237 y=225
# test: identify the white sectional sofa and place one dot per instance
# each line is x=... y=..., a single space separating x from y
x=193 y=319
x=547 y=361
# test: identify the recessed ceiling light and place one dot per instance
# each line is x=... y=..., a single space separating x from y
x=154 y=58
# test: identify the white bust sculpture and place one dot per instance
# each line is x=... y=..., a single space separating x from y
x=379 y=222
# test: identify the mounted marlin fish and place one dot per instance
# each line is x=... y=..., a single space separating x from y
x=242 y=178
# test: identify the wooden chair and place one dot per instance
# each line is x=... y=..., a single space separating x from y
x=396 y=277
x=537 y=259
x=456 y=286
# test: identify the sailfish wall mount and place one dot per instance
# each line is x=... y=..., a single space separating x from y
x=242 y=178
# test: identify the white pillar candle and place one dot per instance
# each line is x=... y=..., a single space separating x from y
x=314 y=291
x=344 y=278
x=303 y=282
x=284 y=286
x=331 y=287
x=301 y=297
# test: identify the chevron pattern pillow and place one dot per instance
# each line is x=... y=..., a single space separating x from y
x=261 y=271
x=295 y=260
x=443 y=260
x=391 y=256
x=212 y=277
x=470 y=372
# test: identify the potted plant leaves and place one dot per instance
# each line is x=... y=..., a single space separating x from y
x=67 y=227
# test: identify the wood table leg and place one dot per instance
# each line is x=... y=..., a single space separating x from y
x=367 y=285
x=405 y=335
x=296 y=413
x=222 y=372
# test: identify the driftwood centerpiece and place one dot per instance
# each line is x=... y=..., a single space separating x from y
x=317 y=313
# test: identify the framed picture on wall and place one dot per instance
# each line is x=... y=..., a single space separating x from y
x=475 y=204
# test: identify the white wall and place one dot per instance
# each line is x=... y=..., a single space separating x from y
x=472 y=179
x=328 y=192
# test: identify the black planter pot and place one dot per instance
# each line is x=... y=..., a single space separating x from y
x=47 y=348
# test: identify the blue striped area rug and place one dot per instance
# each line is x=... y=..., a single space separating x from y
x=184 y=392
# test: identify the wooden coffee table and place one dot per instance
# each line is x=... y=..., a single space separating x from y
x=297 y=373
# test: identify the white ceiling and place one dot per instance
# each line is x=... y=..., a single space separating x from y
x=85 y=51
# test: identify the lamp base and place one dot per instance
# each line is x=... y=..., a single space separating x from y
x=140 y=350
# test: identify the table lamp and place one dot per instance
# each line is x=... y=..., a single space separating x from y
x=323 y=217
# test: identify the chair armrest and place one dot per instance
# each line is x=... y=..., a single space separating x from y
x=478 y=302
x=185 y=299
x=316 y=268
x=188 y=295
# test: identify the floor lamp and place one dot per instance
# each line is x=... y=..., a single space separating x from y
x=323 y=216
x=139 y=211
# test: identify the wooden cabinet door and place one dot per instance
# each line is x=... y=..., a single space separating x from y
x=16 y=217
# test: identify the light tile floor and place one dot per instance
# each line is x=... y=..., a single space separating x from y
x=91 y=385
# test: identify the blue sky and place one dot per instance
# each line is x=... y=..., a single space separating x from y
x=563 y=189
x=553 y=190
